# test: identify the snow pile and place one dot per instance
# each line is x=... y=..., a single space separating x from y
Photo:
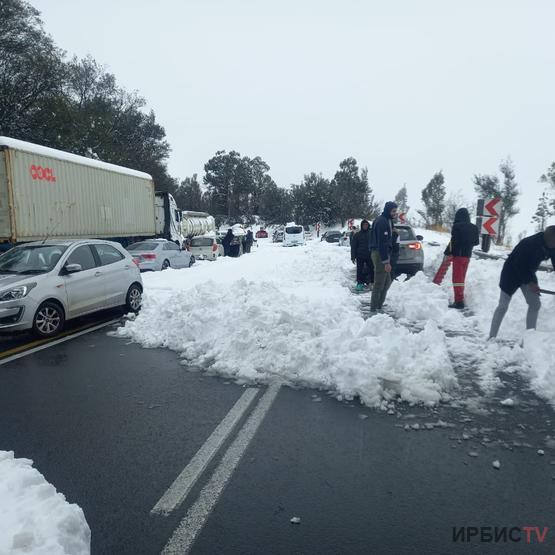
x=298 y=324
x=34 y=517
x=540 y=355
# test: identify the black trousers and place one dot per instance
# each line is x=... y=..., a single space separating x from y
x=365 y=270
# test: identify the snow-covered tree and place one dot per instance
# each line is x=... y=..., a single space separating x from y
x=543 y=211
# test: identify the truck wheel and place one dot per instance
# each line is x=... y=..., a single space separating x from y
x=49 y=319
x=165 y=264
x=134 y=298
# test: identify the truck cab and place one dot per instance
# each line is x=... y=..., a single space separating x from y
x=168 y=218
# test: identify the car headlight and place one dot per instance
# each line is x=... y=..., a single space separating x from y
x=17 y=292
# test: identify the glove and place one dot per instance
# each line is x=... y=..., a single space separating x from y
x=353 y=261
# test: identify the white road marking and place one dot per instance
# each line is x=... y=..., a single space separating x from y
x=178 y=491
x=186 y=533
x=57 y=341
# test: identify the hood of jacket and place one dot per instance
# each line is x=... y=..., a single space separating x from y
x=389 y=206
x=462 y=216
x=367 y=229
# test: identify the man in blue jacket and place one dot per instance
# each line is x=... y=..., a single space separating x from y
x=519 y=271
x=381 y=244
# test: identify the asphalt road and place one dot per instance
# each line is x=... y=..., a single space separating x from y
x=112 y=425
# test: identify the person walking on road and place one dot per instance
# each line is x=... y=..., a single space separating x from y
x=360 y=255
x=249 y=240
x=381 y=245
x=519 y=271
x=464 y=237
x=226 y=242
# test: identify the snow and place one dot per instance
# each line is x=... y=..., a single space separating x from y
x=34 y=517
x=32 y=148
x=496 y=465
x=288 y=315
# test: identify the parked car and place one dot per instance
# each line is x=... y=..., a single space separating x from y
x=206 y=248
x=44 y=284
x=160 y=254
x=308 y=235
x=261 y=234
x=331 y=236
x=411 y=252
x=278 y=236
x=293 y=235
x=345 y=239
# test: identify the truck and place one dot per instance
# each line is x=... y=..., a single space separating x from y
x=197 y=223
x=51 y=194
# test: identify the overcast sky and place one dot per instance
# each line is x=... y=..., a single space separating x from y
x=406 y=87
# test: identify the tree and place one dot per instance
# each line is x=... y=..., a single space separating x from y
x=189 y=195
x=549 y=178
x=31 y=67
x=490 y=186
x=433 y=198
x=276 y=205
x=352 y=191
x=402 y=199
x=453 y=203
x=543 y=212
x=313 y=200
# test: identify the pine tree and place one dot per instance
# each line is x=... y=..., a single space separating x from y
x=549 y=178
x=433 y=198
x=402 y=199
x=543 y=212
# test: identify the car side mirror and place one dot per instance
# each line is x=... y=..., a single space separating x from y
x=72 y=268
x=420 y=238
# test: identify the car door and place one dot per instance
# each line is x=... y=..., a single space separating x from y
x=84 y=289
x=171 y=251
x=180 y=258
x=115 y=272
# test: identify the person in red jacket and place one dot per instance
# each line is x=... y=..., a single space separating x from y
x=464 y=236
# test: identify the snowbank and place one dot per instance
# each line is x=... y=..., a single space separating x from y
x=286 y=314
x=34 y=517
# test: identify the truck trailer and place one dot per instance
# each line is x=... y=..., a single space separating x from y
x=51 y=194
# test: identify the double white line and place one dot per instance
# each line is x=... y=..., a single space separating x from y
x=185 y=534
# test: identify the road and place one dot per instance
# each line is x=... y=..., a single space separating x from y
x=112 y=425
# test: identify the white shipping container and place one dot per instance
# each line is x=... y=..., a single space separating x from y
x=49 y=193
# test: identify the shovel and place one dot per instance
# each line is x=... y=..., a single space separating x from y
x=547 y=291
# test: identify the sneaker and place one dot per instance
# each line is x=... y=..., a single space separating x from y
x=458 y=305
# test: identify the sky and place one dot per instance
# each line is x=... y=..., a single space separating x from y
x=407 y=88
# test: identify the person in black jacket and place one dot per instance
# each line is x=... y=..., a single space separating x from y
x=360 y=254
x=249 y=240
x=519 y=271
x=381 y=246
x=226 y=242
x=464 y=237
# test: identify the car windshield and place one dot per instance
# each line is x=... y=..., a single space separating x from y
x=143 y=246
x=405 y=233
x=293 y=230
x=202 y=242
x=36 y=259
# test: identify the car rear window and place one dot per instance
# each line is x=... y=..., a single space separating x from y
x=202 y=242
x=405 y=233
x=142 y=246
x=293 y=230
x=108 y=254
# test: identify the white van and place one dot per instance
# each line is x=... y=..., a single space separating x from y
x=293 y=235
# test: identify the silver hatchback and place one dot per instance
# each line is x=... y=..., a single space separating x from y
x=43 y=284
x=411 y=253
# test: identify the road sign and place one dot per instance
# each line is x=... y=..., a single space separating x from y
x=491 y=207
x=490 y=226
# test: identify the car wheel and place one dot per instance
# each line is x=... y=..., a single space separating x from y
x=134 y=298
x=49 y=319
x=165 y=264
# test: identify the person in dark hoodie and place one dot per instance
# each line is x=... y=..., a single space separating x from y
x=519 y=271
x=360 y=254
x=226 y=242
x=464 y=237
x=381 y=246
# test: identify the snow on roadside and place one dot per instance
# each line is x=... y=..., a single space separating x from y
x=34 y=517
x=286 y=314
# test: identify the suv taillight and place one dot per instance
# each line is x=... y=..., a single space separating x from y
x=415 y=246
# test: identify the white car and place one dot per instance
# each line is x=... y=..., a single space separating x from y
x=45 y=283
x=160 y=254
x=293 y=235
x=206 y=248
